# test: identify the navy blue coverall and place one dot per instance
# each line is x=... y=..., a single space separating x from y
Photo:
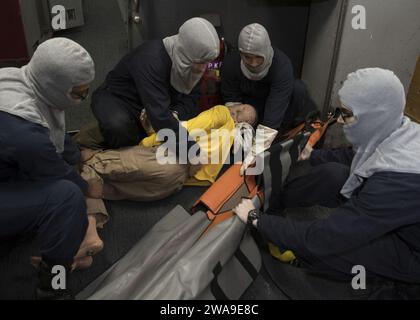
x=378 y=227
x=141 y=80
x=40 y=190
x=281 y=101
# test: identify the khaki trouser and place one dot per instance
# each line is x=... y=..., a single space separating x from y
x=131 y=173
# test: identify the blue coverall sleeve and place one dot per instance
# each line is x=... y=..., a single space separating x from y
x=71 y=153
x=340 y=155
x=38 y=159
x=154 y=90
x=383 y=204
x=278 y=100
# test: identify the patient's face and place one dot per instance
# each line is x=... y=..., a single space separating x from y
x=243 y=113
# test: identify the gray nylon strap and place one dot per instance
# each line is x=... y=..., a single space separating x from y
x=286 y=163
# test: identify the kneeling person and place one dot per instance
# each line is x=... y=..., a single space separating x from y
x=40 y=191
x=375 y=187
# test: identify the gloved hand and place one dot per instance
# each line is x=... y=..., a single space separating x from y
x=243 y=209
x=262 y=142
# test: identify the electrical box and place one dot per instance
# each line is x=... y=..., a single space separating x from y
x=74 y=12
x=413 y=98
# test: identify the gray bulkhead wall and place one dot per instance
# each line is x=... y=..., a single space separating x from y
x=391 y=40
x=320 y=45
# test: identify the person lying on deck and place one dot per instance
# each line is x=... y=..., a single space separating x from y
x=135 y=173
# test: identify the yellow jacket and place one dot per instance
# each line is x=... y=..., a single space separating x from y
x=219 y=128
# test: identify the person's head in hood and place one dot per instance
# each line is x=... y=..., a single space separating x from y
x=372 y=112
x=60 y=73
x=372 y=103
x=196 y=44
x=57 y=78
x=256 y=51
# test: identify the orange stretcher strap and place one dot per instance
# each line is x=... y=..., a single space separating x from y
x=221 y=196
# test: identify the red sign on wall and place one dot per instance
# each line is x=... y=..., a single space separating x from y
x=12 y=34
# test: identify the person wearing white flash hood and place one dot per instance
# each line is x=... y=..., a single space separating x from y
x=158 y=76
x=375 y=186
x=40 y=190
x=262 y=75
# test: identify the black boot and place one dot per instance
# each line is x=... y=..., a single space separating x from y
x=45 y=290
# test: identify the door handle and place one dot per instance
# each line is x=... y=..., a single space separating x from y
x=135 y=15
